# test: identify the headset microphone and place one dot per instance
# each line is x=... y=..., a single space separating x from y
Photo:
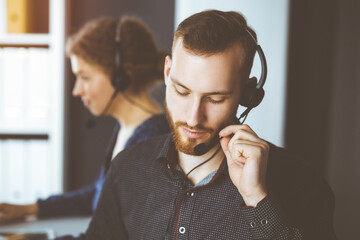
x=250 y=99
x=200 y=149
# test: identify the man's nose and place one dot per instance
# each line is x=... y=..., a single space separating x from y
x=195 y=114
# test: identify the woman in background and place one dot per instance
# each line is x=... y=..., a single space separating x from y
x=115 y=64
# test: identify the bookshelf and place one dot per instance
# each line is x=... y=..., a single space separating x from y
x=32 y=103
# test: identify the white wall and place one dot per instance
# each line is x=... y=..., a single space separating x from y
x=269 y=19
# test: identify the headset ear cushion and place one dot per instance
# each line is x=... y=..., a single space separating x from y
x=125 y=82
x=257 y=97
x=252 y=97
x=120 y=80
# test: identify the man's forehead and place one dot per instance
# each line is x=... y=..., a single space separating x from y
x=218 y=71
x=236 y=49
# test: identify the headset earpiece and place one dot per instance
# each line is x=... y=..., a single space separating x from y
x=120 y=80
x=253 y=97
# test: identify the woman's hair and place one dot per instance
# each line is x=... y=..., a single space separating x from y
x=140 y=58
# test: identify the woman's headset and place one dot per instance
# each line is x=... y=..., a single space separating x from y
x=120 y=80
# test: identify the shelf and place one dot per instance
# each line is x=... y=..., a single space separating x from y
x=41 y=40
x=24 y=136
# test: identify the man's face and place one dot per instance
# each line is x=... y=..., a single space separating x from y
x=202 y=95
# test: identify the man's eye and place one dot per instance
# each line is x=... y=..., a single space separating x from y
x=216 y=101
x=181 y=93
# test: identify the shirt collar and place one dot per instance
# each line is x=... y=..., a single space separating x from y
x=163 y=153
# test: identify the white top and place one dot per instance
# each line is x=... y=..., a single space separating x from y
x=122 y=137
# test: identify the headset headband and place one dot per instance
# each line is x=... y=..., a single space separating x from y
x=261 y=54
x=120 y=80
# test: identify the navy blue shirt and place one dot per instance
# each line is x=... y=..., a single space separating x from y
x=84 y=200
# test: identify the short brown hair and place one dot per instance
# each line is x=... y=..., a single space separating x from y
x=95 y=43
x=212 y=31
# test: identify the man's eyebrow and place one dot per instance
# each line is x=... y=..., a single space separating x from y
x=175 y=81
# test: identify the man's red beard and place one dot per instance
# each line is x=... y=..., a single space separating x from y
x=187 y=146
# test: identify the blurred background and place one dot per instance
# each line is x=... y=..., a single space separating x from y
x=311 y=105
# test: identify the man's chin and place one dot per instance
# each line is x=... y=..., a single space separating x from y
x=187 y=145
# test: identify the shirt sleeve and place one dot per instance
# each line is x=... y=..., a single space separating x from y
x=311 y=219
x=77 y=202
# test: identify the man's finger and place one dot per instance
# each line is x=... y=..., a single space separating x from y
x=224 y=142
x=245 y=136
x=232 y=129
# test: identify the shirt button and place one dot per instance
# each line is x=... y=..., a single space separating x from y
x=264 y=222
x=252 y=224
x=182 y=230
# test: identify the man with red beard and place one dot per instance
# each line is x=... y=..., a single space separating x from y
x=212 y=178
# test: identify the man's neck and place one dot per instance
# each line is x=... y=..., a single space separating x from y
x=188 y=162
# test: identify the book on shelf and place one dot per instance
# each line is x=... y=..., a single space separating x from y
x=27 y=16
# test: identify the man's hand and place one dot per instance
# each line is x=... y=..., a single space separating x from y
x=12 y=212
x=247 y=157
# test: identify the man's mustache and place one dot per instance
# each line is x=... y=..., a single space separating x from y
x=194 y=128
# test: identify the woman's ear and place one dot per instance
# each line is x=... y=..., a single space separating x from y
x=127 y=68
x=129 y=73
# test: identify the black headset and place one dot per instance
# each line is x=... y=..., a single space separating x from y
x=120 y=80
x=253 y=95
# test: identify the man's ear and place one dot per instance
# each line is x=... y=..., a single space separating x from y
x=167 y=67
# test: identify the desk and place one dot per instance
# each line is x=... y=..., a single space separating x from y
x=61 y=226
